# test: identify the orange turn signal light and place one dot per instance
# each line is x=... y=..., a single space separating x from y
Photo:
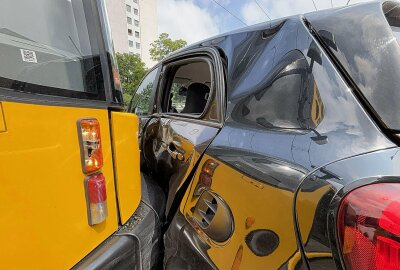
x=209 y=167
x=90 y=142
x=205 y=178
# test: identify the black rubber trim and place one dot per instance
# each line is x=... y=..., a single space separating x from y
x=136 y=245
x=118 y=252
x=20 y=86
x=39 y=99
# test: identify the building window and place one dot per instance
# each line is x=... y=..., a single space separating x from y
x=136 y=22
x=135 y=11
x=137 y=34
x=137 y=45
x=130 y=32
x=129 y=19
x=129 y=8
x=130 y=43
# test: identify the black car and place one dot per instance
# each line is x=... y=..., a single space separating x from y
x=276 y=146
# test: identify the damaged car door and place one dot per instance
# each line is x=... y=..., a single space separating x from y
x=187 y=116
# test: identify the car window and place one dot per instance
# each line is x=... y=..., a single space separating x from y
x=189 y=90
x=178 y=97
x=290 y=100
x=369 y=51
x=49 y=50
x=142 y=98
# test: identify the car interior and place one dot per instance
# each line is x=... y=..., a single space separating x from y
x=189 y=90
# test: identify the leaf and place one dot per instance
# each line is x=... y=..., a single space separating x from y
x=131 y=71
x=164 y=45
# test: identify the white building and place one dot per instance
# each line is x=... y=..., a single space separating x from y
x=133 y=26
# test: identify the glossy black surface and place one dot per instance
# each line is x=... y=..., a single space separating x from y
x=290 y=112
x=165 y=134
x=183 y=249
x=361 y=38
x=325 y=188
x=172 y=144
x=299 y=138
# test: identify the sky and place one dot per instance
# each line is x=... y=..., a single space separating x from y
x=195 y=20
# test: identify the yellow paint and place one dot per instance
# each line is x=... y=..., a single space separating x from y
x=238 y=259
x=249 y=222
x=3 y=127
x=292 y=263
x=306 y=206
x=126 y=162
x=296 y=259
x=317 y=107
x=43 y=215
x=317 y=255
x=270 y=207
x=247 y=199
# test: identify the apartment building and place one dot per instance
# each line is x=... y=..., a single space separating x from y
x=133 y=26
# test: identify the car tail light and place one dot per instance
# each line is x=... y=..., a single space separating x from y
x=369 y=227
x=96 y=196
x=205 y=178
x=92 y=156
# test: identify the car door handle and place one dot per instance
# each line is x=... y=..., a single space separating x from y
x=175 y=154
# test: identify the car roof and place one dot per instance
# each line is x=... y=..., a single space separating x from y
x=272 y=23
x=363 y=40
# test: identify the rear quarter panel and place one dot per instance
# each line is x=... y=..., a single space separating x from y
x=319 y=195
x=255 y=205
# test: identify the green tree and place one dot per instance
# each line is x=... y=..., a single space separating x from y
x=178 y=99
x=142 y=98
x=164 y=45
x=131 y=71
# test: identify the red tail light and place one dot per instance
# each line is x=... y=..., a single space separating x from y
x=90 y=140
x=96 y=195
x=369 y=227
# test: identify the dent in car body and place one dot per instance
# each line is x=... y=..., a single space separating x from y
x=261 y=166
x=172 y=144
x=188 y=138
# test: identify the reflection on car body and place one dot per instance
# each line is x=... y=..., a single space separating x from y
x=283 y=128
